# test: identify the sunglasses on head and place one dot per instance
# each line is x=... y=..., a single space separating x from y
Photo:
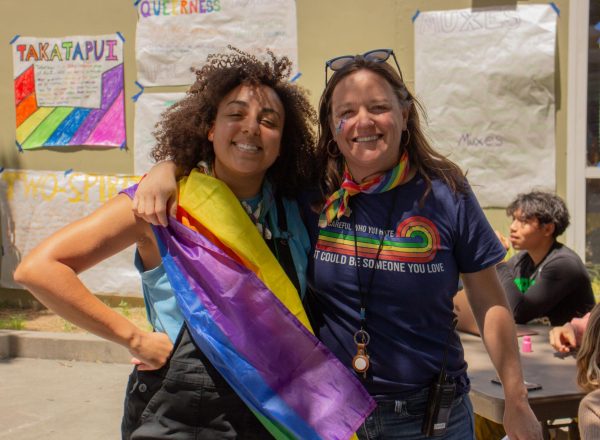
x=376 y=56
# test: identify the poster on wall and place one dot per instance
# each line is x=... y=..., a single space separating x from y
x=175 y=36
x=34 y=204
x=486 y=79
x=69 y=91
x=148 y=109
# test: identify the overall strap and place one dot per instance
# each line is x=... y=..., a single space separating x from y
x=280 y=246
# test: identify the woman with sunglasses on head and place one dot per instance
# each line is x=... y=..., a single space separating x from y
x=396 y=224
x=249 y=130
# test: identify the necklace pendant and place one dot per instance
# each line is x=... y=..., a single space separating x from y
x=360 y=362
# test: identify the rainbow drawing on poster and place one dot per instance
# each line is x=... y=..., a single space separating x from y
x=69 y=91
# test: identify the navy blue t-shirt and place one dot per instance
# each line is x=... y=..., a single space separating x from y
x=409 y=305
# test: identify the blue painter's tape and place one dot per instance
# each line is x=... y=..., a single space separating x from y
x=135 y=97
x=15 y=38
x=296 y=76
x=414 y=17
x=556 y=8
x=136 y=2
x=121 y=36
x=69 y=171
x=19 y=146
x=597 y=26
x=123 y=146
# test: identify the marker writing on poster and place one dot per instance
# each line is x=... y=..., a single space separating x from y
x=89 y=50
x=155 y=8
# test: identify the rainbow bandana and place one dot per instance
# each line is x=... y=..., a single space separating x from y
x=246 y=316
x=337 y=204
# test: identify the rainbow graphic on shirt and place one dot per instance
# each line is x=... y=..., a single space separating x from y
x=416 y=240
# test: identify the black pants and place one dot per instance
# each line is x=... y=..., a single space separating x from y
x=186 y=399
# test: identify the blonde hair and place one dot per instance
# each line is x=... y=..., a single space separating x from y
x=588 y=357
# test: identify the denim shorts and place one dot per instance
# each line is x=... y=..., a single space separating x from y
x=402 y=419
x=186 y=399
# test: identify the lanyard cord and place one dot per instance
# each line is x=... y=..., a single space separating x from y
x=363 y=294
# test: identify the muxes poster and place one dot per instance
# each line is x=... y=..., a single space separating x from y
x=486 y=79
x=174 y=36
x=69 y=91
x=35 y=204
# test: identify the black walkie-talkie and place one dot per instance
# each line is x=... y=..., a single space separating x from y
x=439 y=400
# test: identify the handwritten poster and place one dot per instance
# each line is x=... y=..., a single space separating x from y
x=69 y=91
x=35 y=204
x=173 y=37
x=486 y=79
x=148 y=109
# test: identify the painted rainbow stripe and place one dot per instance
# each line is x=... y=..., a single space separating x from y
x=62 y=126
x=246 y=316
x=416 y=240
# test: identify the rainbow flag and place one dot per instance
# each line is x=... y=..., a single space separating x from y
x=246 y=316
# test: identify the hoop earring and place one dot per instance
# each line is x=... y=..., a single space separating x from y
x=337 y=151
x=405 y=144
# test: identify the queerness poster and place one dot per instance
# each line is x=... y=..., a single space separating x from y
x=486 y=79
x=35 y=204
x=174 y=36
x=69 y=91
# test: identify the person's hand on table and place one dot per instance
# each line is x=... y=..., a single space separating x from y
x=563 y=338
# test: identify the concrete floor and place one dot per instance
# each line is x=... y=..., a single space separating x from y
x=61 y=400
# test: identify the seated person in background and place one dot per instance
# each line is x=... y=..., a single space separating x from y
x=588 y=378
x=546 y=278
x=568 y=336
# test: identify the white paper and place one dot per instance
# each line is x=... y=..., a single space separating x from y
x=148 y=109
x=486 y=79
x=173 y=37
x=35 y=204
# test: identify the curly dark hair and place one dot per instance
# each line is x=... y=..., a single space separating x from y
x=182 y=133
x=422 y=156
x=543 y=206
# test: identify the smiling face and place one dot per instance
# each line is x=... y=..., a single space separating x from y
x=367 y=122
x=246 y=134
x=529 y=234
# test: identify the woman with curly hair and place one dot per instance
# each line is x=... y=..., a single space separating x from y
x=588 y=377
x=244 y=132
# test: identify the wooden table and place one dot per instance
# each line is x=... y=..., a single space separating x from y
x=559 y=397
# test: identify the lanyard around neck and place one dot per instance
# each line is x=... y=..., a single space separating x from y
x=365 y=294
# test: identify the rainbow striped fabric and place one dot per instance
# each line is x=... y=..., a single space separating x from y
x=337 y=204
x=247 y=318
